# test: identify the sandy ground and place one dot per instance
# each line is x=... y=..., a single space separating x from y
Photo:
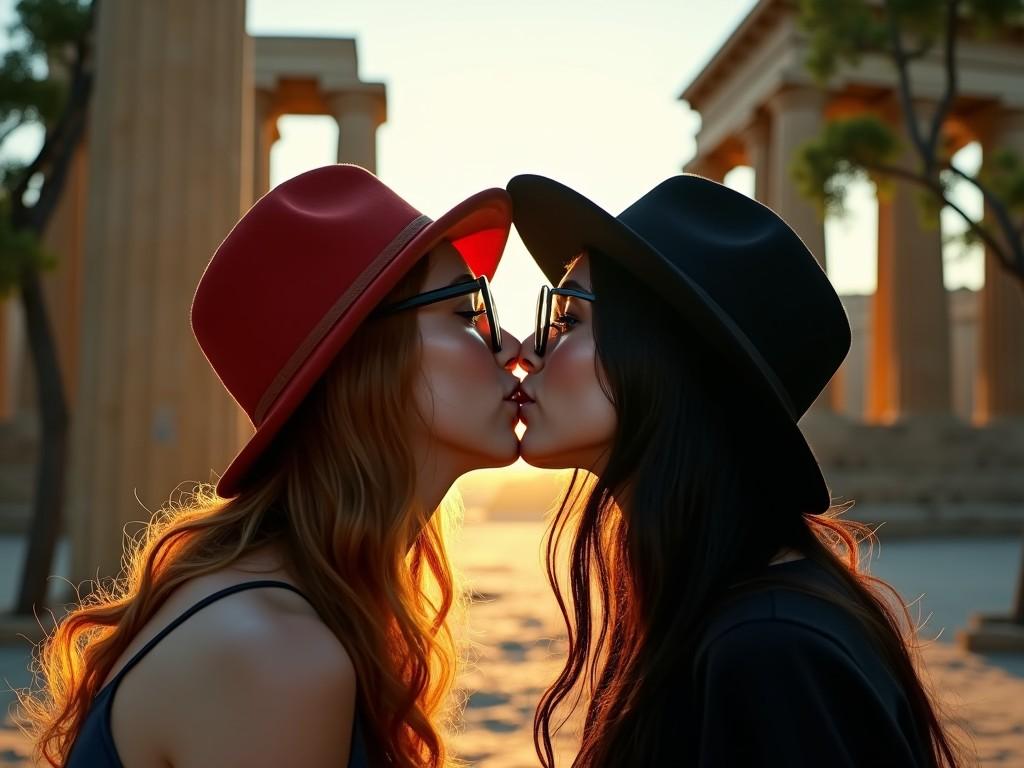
x=517 y=631
x=516 y=640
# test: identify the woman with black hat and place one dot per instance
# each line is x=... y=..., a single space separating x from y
x=719 y=616
x=295 y=615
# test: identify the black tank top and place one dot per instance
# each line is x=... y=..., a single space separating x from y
x=94 y=747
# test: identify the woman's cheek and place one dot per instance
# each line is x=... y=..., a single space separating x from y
x=573 y=397
x=462 y=399
x=569 y=373
x=460 y=370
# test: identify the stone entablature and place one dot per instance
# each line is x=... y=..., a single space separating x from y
x=314 y=76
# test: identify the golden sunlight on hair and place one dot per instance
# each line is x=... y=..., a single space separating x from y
x=335 y=494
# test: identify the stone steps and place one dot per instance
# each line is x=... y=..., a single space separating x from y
x=925 y=476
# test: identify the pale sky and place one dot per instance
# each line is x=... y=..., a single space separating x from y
x=583 y=91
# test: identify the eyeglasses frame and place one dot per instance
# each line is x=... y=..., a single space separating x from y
x=437 y=295
x=544 y=302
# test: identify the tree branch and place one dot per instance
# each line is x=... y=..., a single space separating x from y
x=1011 y=259
x=899 y=56
x=946 y=103
x=53 y=161
x=1014 y=236
x=58 y=136
x=900 y=173
x=53 y=187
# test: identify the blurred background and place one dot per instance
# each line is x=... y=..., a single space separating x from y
x=133 y=134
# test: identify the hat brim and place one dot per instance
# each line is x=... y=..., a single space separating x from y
x=556 y=223
x=478 y=227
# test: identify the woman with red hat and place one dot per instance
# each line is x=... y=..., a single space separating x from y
x=297 y=614
x=719 y=614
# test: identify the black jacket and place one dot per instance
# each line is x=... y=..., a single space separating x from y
x=784 y=678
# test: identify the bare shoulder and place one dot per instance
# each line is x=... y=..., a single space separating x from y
x=259 y=681
x=273 y=635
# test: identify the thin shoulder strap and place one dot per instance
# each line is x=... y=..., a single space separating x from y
x=196 y=608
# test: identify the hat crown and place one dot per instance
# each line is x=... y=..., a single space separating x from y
x=289 y=266
x=759 y=273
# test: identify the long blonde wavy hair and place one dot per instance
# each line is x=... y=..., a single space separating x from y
x=336 y=494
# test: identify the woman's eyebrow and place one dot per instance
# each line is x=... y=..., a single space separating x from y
x=575 y=286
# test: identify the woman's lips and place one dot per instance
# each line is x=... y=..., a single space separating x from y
x=522 y=411
x=519 y=396
x=524 y=406
x=521 y=400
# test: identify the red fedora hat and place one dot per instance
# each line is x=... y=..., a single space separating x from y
x=302 y=269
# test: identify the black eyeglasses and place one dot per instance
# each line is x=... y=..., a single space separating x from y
x=489 y=312
x=548 y=328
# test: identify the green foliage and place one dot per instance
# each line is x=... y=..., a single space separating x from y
x=929 y=207
x=51 y=27
x=842 y=31
x=34 y=72
x=992 y=15
x=1004 y=173
x=846 y=149
x=45 y=36
x=33 y=90
x=25 y=97
x=837 y=31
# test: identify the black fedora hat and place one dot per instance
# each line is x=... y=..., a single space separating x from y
x=734 y=270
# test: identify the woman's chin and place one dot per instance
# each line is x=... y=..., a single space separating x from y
x=537 y=456
x=501 y=453
x=588 y=457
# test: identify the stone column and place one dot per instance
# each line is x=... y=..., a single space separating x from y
x=170 y=154
x=796 y=118
x=708 y=166
x=265 y=133
x=359 y=113
x=756 y=139
x=1000 y=382
x=910 y=356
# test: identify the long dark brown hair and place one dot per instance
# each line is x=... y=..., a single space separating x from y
x=336 y=494
x=690 y=503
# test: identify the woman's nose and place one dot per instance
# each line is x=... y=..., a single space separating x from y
x=508 y=358
x=528 y=357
